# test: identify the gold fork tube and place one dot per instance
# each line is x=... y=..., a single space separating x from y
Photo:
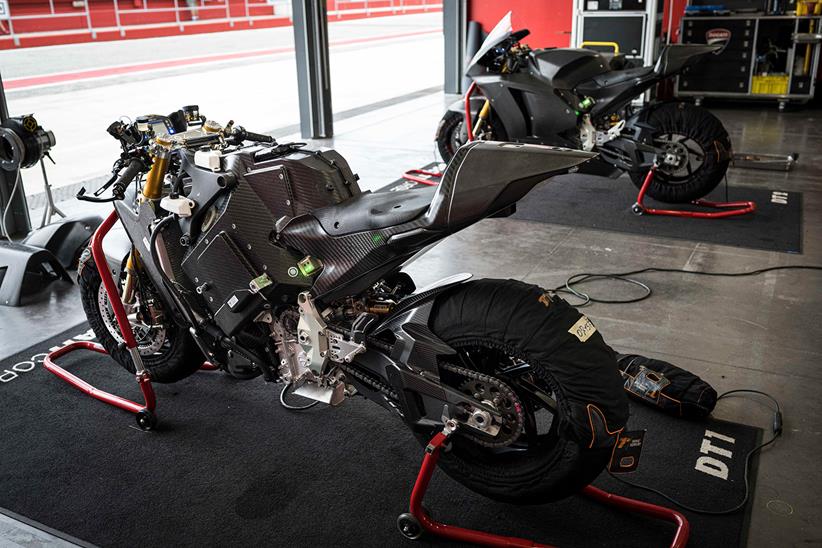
x=128 y=288
x=153 y=189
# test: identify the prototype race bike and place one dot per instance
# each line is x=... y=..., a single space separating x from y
x=576 y=98
x=267 y=259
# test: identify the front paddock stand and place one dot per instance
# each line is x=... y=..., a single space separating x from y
x=146 y=419
x=721 y=209
x=418 y=521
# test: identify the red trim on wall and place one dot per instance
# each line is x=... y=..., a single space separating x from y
x=548 y=20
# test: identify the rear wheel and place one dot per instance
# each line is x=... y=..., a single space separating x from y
x=451 y=134
x=560 y=397
x=167 y=350
x=697 y=151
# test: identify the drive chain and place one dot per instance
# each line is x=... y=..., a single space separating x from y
x=505 y=402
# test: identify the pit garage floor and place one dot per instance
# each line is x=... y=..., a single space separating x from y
x=757 y=332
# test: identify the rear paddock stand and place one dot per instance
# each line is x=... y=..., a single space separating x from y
x=722 y=209
x=417 y=521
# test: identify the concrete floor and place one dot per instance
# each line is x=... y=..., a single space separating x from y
x=758 y=332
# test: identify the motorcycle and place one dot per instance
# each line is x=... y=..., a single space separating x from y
x=574 y=98
x=267 y=259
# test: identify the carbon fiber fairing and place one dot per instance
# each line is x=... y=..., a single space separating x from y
x=482 y=179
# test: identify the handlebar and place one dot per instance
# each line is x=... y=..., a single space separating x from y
x=242 y=134
x=118 y=183
x=520 y=34
x=134 y=168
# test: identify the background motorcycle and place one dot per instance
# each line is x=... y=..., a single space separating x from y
x=573 y=98
x=267 y=259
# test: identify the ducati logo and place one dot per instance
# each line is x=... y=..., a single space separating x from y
x=717 y=36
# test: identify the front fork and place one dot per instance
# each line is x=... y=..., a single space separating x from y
x=472 y=130
x=152 y=190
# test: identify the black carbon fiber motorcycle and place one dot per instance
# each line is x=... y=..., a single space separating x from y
x=266 y=259
x=575 y=98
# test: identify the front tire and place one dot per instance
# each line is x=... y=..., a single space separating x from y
x=168 y=352
x=699 y=143
x=451 y=133
x=500 y=327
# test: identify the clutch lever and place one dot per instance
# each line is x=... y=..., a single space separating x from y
x=119 y=181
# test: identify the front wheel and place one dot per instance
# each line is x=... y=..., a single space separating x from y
x=451 y=133
x=696 y=153
x=552 y=379
x=167 y=350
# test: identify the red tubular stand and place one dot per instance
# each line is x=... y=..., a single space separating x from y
x=145 y=411
x=418 y=520
x=724 y=209
x=469 y=124
x=422 y=177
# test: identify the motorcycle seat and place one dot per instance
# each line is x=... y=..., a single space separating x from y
x=483 y=178
x=374 y=210
x=614 y=78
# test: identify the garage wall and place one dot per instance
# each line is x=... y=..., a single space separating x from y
x=548 y=20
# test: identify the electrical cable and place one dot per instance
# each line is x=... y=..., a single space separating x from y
x=11 y=200
x=777 y=432
x=587 y=299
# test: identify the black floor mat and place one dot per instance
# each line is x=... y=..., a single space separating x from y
x=229 y=467
x=605 y=204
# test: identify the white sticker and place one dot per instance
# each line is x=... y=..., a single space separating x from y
x=779 y=197
x=593 y=5
x=232 y=302
x=583 y=329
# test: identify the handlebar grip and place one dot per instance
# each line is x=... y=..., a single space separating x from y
x=134 y=168
x=520 y=34
x=258 y=137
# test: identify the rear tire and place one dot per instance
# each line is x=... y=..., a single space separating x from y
x=694 y=133
x=176 y=357
x=520 y=320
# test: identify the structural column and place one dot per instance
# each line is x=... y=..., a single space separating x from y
x=313 y=69
x=18 y=222
x=454 y=17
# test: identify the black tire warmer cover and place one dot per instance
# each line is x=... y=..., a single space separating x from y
x=667 y=387
x=557 y=336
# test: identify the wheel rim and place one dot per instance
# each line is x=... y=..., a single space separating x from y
x=150 y=339
x=458 y=136
x=682 y=158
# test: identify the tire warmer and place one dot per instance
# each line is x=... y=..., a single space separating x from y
x=723 y=209
x=413 y=524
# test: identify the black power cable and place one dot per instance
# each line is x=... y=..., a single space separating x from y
x=577 y=279
x=777 y=431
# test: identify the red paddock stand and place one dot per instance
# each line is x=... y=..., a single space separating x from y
x=413 y=524
x=723 y=209
x=146 y=419
x=423 y=177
